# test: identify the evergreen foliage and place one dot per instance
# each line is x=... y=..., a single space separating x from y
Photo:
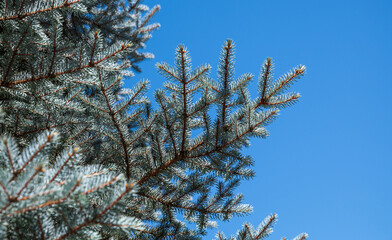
x=84 y=158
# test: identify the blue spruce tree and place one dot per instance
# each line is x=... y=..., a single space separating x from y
x=82 y=157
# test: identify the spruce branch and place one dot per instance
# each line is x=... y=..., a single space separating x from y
x=57 y=74
x=14 y=54
x=63 y=68
x=248 y=120
x=20 y=16
x=57 y=187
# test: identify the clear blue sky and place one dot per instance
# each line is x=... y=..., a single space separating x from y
x=326 y=169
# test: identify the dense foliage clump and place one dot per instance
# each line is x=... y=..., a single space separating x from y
x=84 y=158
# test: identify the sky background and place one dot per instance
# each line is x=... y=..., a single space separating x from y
x=326 y=167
